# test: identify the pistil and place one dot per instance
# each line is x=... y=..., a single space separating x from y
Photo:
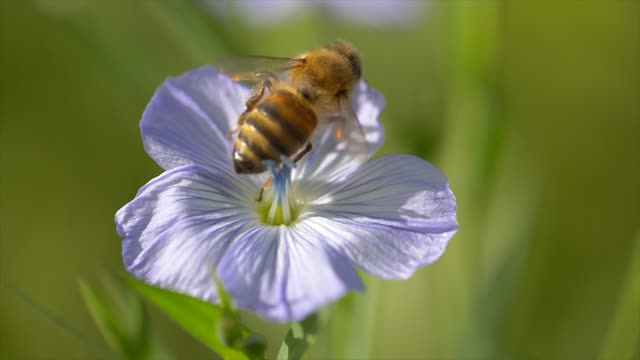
x=279 y=206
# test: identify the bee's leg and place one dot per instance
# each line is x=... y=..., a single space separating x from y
x=234 y=131
x=241 y=121
x=259 y=89
x=265 y=187
x=302 y=153
x=258 y=93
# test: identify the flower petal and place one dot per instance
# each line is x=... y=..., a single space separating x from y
x=180 y=224
x=283 y=274
x=368 y=103
x=396 y=214
x=188 y=118
x=332 y=161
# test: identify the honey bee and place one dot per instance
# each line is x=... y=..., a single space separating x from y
x=288 y=104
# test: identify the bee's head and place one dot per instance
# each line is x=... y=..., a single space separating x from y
x=350 y=54
x=330 y=72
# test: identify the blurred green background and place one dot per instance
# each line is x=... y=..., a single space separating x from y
x=530 y=107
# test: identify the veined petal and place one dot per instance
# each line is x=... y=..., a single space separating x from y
x=332 y=161
x=283 y=274
x=396 y=214
x=188 y=118
x=180 y=224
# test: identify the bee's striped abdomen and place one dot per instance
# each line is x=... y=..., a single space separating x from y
x=280 y=124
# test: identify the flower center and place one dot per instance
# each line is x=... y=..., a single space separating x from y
x=278 y=206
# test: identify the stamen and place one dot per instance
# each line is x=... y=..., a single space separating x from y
x=282 y=207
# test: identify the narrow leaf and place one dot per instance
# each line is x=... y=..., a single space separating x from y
x=90 y=344
x=299 y=338
x=105 y=320
x=123 y=320
x=206 y=322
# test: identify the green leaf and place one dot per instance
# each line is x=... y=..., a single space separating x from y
x=215 y=327
x=104 y=318
x=123 y=322
x=299 y=338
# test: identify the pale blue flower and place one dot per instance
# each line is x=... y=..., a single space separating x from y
x=386 y=216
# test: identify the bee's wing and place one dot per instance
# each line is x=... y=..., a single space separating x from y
x=347 y=127
x=258 y=68
x=341 y=143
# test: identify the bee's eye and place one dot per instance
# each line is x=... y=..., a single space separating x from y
x=309 y=94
